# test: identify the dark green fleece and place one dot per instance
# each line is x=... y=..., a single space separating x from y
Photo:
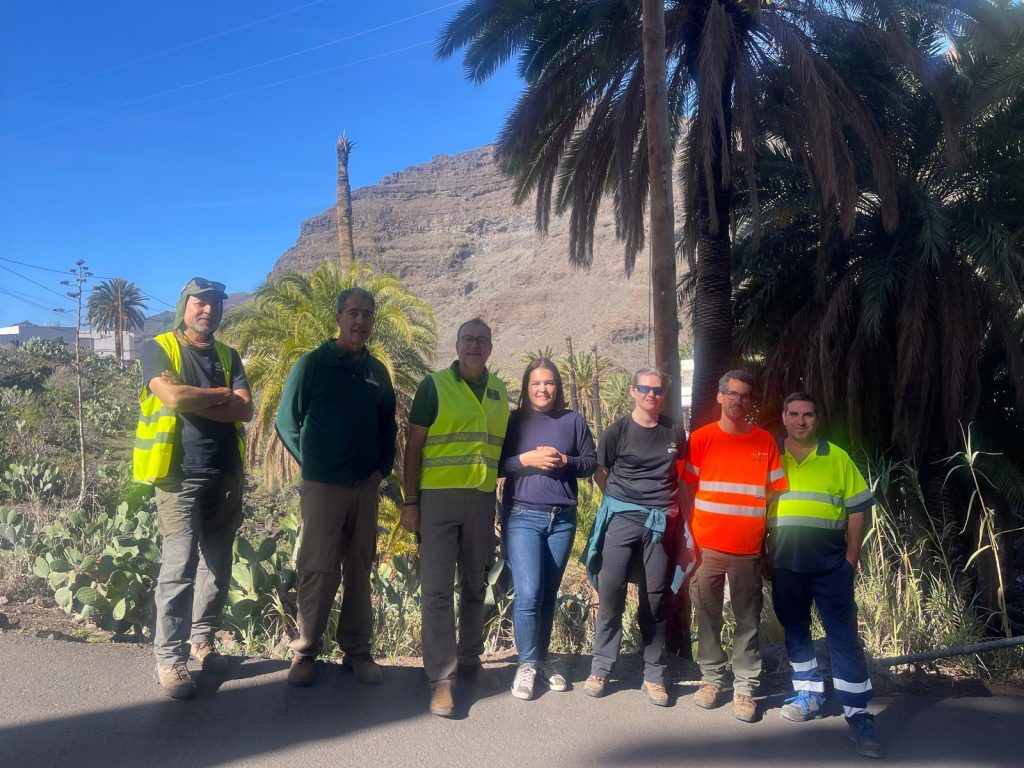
x=337 y=415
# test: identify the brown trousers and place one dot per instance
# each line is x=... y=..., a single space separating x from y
x=337 y=541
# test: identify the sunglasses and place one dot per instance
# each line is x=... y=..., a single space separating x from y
x=207 y=285
x=647 y=389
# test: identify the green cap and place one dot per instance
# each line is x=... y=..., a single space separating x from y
x=195 y=287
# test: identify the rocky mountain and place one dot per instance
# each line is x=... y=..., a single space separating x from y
x=450 y=231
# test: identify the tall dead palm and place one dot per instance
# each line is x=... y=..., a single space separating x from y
x=115 y=306
x=343 y=205
x=579 y=132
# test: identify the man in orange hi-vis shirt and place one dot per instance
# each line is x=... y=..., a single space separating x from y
x=732 y=467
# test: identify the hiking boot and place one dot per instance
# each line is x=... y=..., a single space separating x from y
x=708 y=696
x=862 y=734
x=175 y=680
x=595 y=686
x=366 y=670
x=441 y=702
x=551 y=676
x=522 y=686
x=212 y=661
x=806 y=705
x=744 y=707
x=302 y=671
x=655 y=692
x=478 y=676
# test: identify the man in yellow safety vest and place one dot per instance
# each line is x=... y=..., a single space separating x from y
x=190 y=445
x=456 y=428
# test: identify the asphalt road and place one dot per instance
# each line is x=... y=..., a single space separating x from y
x=74 y=704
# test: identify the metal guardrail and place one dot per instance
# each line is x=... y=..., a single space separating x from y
x=960 y=650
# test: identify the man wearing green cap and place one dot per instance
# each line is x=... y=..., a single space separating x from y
x=190 y=445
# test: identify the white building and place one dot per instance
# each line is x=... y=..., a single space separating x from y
x=91 y=341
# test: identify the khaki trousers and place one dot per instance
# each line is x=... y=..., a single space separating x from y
x=337 y=543
x=456 y=529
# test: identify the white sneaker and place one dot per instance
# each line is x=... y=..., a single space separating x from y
x=552 y=676
x=522 y=686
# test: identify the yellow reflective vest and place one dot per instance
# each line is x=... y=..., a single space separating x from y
x=463 y=444
x=158 y=425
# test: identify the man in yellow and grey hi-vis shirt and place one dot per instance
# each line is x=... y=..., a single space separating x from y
x=456 y=428
x=815 y=532
x=190 y=445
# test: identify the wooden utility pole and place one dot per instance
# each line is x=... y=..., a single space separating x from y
x=574 y=392
x=82 y=274
x=595 y=393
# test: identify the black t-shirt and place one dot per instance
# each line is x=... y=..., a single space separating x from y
x=202 y=447
x=641 y=461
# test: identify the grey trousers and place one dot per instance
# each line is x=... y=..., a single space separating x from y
x=198 y=518
x=707 y=589
x=337 y=542
x=456 y=528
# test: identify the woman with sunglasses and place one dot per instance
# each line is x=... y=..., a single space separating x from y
x=637 y=473
x=547 y=448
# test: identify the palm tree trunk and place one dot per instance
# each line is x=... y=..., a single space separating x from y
x=343 y=207
x=118 y=350
x=659 y=158
x=712 y=298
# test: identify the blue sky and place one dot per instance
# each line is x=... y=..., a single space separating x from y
x=158 y=141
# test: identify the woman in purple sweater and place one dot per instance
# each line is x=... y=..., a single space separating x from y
x=547 y=447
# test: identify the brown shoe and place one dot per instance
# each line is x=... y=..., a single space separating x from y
x=656 y=693
x=365 y=669
x=595 y=685
x=441 y=702
x=302 y=671
x=175 y=680
x=708 y=696
x=214 y=662
x=744 y=707
x=478 y=676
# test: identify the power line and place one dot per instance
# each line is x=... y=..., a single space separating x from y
x=35 y=282
x=227 y=95
x=68 y=272
x=24 y=297
x=152 y=56
x=224 y=75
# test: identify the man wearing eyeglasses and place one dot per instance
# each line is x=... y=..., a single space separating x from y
x=456 y=429
x=732 y=468
x=337 y=420
x=190 y=445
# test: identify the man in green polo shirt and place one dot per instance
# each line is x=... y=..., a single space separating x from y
x=456 y=429
x=337 y=419
x=815 y=532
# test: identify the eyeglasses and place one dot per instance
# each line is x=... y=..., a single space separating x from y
x=742 y=396
x=480 y=341
x=647 y=389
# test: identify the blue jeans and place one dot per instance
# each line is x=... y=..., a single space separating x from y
x=538 y=545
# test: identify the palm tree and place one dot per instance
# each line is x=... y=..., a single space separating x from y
x=909 y=335
x=115 y=306
x=343 y=206
x=294 y=313
x=579 y=130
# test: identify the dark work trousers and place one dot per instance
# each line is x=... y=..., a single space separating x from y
x=456 y=529
x=197 y=518
x=832 y=592
x=627 y=545
x=707 y=590
x=338 y=540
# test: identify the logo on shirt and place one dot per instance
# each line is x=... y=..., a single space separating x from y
x=371 y=378
x=217 y=367
x=671 y=448
x=759 y=457
x=493 y=394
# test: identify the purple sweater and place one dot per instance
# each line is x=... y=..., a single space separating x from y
x=565 y=431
